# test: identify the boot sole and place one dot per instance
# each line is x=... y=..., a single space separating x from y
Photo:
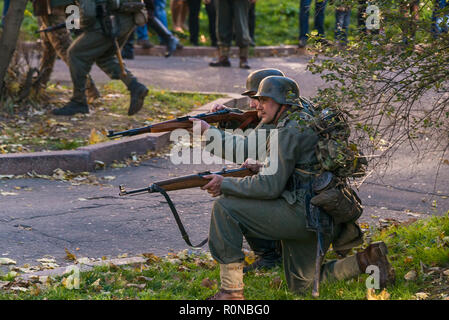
x=382 y=247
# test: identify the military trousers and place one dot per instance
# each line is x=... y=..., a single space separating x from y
x=92 y=46
x=55 y=43
x=232 y=218
x=232 y=17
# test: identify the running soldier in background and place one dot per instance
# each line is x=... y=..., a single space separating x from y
x=56 y=43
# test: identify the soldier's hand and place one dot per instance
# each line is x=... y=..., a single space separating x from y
x=214 y=185
x=218 y=107
x=252 y=165
x=204 y=125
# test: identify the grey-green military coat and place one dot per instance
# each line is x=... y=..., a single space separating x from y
x=262 y=206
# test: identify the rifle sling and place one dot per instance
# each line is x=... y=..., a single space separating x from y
x=184 y=234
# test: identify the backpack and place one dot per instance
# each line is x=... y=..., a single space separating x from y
x=338 y=160
x=334 y=151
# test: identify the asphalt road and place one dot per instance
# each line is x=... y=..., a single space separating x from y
x=42 y=217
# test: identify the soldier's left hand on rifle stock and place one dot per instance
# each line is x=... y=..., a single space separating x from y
x=214 y=185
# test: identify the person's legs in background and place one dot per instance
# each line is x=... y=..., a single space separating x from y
x=161 y=15
x=194 y=27
x=5 y=11
x=320 y=7
x=212 y=16
x=342 y=17
x=440 y=21
x=128 y=48
x=252 y=22
x=142 y=37
x=304 y=10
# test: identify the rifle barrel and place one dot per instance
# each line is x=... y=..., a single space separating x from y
x=183 y=122
x=186 y=182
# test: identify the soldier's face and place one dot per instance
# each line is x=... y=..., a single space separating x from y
x=267 y=109
x=254 y=104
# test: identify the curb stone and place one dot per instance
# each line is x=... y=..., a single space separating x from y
x=84 y=158
x=191 y=51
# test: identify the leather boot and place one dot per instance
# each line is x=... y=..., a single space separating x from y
x=376 y=254
x=138 y=93
x=244 y=53
x=223 y=294
x=223 y=60
x=244 y=63
x=172 y=43
x=231 y=277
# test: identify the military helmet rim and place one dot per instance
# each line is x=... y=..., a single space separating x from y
x=255 y=78
x=275 y=95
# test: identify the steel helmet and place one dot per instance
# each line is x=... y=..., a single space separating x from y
x=255 y=77
x=283 y=90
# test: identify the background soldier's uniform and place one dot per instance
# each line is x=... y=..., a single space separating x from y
x=262 y=206
x=57 y=43
x=232 y=18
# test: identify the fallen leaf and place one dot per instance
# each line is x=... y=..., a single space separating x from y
x=421 y=295
x=207 y=283
x=7 y=261
x=276 y=283
x=69 y=256
x=371 y=294
x=410 y=276
x=4 y=193
x=133 y=285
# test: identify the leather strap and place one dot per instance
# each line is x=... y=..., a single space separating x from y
x=183 y=231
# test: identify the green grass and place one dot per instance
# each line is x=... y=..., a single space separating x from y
x=22 y=133
x=419 y=246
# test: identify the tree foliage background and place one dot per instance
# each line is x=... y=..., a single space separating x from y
x=392 y=83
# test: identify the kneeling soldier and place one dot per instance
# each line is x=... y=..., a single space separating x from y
x=265 y=206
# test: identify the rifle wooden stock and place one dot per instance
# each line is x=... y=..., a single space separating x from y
x=189 y=181
x=244 y=118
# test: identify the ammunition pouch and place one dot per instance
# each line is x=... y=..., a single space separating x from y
x=336 y=198
x=137 y=9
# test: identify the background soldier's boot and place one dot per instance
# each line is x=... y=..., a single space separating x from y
x=376 y=254
x=71 y=108
x=244 y=53
x=92 y=92
x=223 y=60
x=231 y=277
x=268 y=252
x=171 y=42
x=138 y=93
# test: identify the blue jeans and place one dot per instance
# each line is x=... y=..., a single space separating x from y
x=159 y=11
x=161 y=14
x=304 y=9
x=440 y=22
x=142 y=33
x=342 y=18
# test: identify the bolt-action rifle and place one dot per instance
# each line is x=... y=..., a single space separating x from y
x=244 y=118
x=185 y=182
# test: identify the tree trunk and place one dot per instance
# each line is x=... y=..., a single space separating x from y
x=9 y=36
